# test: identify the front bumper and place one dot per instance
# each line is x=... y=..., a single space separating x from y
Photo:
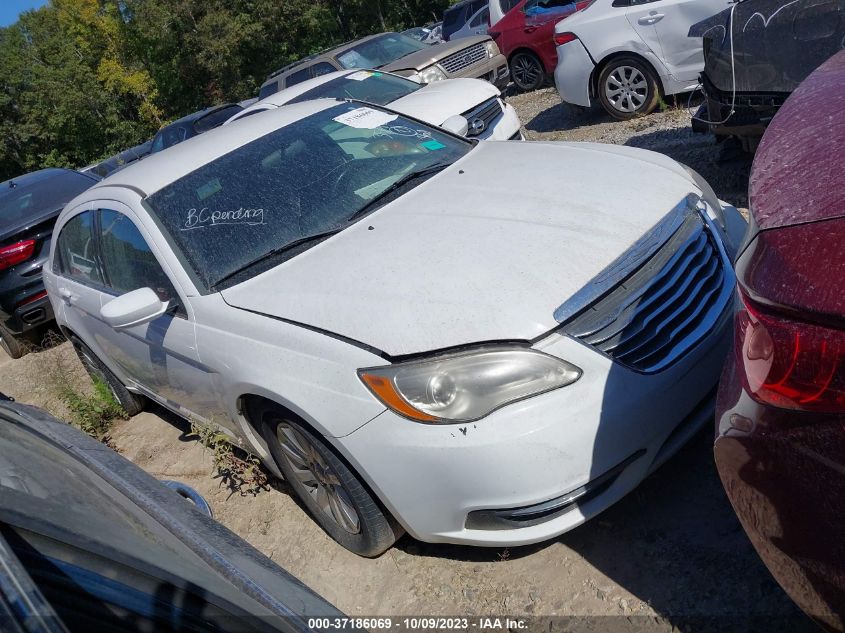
x=572 y=73
x=436 y=479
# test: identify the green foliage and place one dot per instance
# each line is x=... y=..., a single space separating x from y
x=85 y=79
x=239 y=471
x=94 y=413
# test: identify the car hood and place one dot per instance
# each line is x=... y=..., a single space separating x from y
x=484 y=251
x=432 y=54
x=437 y=101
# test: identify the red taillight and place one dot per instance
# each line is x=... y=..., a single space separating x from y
x=564 y=38
x=580 y=6
x=16 y=253
x=36 y=297
x=791 y=364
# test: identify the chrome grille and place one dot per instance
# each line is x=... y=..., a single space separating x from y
x=488 y=113
x=658 y=313
x=464 y=59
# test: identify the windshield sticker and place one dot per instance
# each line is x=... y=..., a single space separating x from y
x=202 y=218
x=361 y=75
x=432 y=145
x=209 y=189
x=365 y=118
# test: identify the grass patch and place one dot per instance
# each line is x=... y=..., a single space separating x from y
x=238 y=470
x=92 y=409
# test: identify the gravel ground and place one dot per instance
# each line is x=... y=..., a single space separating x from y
x=671 y=556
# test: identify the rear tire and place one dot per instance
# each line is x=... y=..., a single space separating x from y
x=527 y=71
x=14 y=346
x=628 y=88
x=333 y=494
x=132 y=403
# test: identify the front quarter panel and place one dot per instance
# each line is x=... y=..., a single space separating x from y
x=310 y=373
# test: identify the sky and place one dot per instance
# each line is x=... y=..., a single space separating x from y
x=10 y=9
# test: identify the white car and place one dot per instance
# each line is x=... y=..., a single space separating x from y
x=412 y=343
x=626 y=54
x=478 y=101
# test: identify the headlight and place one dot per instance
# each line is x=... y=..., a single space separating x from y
x=492 y=49
x=468 y=386
x=429 y=75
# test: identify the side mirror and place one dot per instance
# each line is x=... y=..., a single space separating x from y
x=133 y=308
x=456 y=124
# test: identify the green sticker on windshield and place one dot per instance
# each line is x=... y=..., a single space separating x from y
x=432 y=145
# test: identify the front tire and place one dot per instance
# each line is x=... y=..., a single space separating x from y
x=133 y=404
x=527 y=71
x=628 y=88
x=333 y=494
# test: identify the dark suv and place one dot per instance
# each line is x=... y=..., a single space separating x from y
x=456 y=16
x=29 y=205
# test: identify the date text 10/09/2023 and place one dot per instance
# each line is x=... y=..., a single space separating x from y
x=418 y=624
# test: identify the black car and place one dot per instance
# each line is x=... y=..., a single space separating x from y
x=29 y=205
x=756 y=54
x=193 y=125
x=90 y=542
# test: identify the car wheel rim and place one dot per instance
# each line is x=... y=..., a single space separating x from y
x=626 y=89
x=320 y=481
x=525 y=71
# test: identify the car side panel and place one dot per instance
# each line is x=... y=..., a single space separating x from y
x=309 y=372
x=573 y=72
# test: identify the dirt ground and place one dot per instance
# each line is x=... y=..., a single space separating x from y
x=670 y=556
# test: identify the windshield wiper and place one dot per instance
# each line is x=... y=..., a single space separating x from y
x=373 y=204
x=302 y=241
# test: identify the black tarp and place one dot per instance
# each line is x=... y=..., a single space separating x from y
x=777 y=43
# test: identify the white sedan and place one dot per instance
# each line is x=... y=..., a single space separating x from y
x=412 y=344
x=479 y=102
x=627 y=54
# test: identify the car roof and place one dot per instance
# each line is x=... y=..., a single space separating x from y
x=193 y=117
x=329 y=52
x=160 y=169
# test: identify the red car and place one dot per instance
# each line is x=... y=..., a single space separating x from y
x=525 y=35
x=780 y=439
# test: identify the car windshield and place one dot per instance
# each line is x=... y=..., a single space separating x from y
x=363 y=85
x=379 y=51
x=306 y=179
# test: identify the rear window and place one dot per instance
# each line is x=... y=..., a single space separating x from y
x=363 y=85
x=216 y=118
x=33 y=196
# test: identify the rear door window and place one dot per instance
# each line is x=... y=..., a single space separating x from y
x=298 y=77
x=76 y=249
x=323 y=68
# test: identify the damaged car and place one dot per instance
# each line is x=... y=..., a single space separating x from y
x=472 y=104
x=780 y=438
x=756 y=53
x=412 y=344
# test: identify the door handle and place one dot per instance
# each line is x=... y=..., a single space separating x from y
x=68 y=296
x=529 y=29
x=651 y=18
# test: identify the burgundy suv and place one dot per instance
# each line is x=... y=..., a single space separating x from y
x=780 y=439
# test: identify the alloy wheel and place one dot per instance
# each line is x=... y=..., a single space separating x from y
x=525 y=71
x=626 y=89
x=318 y=478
